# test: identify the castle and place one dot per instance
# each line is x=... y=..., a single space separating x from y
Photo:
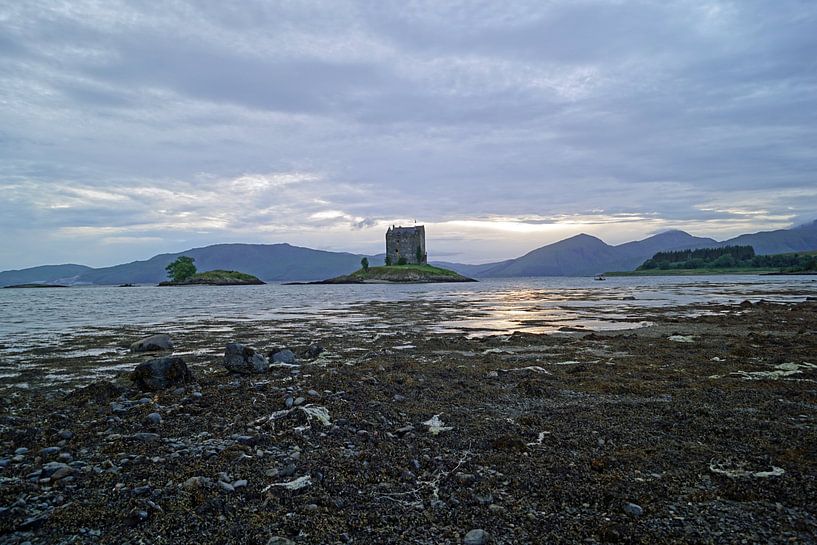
x=406 y=245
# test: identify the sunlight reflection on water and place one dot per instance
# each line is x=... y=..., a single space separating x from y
x=33 y=317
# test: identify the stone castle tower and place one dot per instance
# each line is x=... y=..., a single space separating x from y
x=406 y=242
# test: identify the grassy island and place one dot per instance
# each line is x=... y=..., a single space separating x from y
x=398 y=274
x=216 y=278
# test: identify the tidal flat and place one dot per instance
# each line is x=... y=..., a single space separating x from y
x=698 y=424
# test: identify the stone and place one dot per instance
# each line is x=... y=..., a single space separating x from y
x=278 y=540
x=137 y=516
x=56 y=470
x=154 y=343
x=194 y=483
x=477 y=536
x=66 y=434
x=285 y=356
x=154 y=419
x=99 y=392
x=146 y=437
x=226 y=487
x=244 y=359
x=48 y=451
x=161 y=373
x=633 y=509
x=315 y=350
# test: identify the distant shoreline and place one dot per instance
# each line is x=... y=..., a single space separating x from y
x=708 y=272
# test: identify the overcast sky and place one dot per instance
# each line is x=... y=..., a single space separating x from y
x=130 y=129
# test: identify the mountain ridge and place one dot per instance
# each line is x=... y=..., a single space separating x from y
x=579 y=255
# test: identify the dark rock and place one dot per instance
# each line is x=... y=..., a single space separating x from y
x=315 y=350
x=154 y=343
x=633 y=510
x=137 y=516
x=56 y=470
x=244 y=359
x=99 y=392
x=476 y=537
x=284 y=356
x=146 y=437
x=154 y=419
x=746 y=304
x=66 y=435
x=161 y=373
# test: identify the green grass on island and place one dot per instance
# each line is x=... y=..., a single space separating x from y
x=399 y=274
x=217 y=278
x=391 y=269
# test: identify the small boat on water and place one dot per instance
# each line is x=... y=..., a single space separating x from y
x=600 y=277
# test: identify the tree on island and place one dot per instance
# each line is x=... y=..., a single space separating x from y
x=181 y=269
x=364 y=264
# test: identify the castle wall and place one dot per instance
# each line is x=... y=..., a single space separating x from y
x=404 y=241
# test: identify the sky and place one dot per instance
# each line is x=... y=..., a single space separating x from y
x=129 y=129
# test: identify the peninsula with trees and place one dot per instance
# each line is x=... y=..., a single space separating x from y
x=724 y=260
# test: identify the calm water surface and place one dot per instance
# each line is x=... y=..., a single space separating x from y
x=497 y=304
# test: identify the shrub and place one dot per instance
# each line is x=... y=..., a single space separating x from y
x=181 y=269
x=364 y=264
x=402 y=261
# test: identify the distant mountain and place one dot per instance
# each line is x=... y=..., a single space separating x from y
x=46 y=274
x=668 y=240
x=584 y=255
x=782 y=241
x=269 y=262
x=581 y=255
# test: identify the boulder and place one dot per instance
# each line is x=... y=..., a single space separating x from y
x=284 y=356
x=161 y=373
x=315 y=350
x=244 y=359
x=154 y=343
x=99 y=392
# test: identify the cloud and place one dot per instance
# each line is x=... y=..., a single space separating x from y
x=319 y=123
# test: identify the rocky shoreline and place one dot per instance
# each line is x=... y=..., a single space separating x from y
x=698 y=429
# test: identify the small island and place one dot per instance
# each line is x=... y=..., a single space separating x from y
x=406 y=263
x=398 y=274
x=182 y=272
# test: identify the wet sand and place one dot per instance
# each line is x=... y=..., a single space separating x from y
x=697 y=429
